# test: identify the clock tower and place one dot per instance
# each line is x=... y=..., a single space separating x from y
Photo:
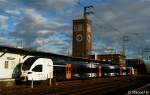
x=82 y=38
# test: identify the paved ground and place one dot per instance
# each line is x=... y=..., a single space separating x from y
x=99 y=86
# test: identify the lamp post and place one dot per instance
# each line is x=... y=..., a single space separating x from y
x=125 y=39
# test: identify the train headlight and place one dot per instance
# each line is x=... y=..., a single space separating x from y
x=23 y=78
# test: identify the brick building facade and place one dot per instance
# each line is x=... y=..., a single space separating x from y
x=115 y=58
x=137 y=64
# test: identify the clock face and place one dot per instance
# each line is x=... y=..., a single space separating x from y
x=88 y=38
x=79 y=37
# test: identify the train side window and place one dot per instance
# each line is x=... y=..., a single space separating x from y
x=37 y=68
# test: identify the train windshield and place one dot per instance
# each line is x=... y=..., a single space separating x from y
x=28 y=63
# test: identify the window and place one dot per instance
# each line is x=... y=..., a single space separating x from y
x=78 y=27
x=104 y=59
x=28 y=63
x=75 y=27
x=88 y=28
x=6 y=64
x=37 y=68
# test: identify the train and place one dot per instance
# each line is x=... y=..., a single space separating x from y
x=61 y=69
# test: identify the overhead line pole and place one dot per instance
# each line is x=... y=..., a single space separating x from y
x=114 y=28
x=87 y=11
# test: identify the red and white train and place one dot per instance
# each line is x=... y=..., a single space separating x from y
x=36 y=68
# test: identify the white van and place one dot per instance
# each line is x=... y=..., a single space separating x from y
x=36 y=69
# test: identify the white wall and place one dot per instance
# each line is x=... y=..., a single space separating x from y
x=13 y=61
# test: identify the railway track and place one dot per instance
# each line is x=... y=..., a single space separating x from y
x=107 y=86
x=98 y=87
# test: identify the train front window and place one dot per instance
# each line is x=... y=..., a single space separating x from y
x=37 y=68
x=28 y=63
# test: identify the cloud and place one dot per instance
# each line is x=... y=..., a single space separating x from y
x=118 y=18
x=28 y=24
x=3 y=22
x=36 y=30
x=114 y=20
x=7 y=5
x=47 y=24
x=122 y=18
x=7 y=41
x=51 y=5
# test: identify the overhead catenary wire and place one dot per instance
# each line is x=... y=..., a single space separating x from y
x=101 y=19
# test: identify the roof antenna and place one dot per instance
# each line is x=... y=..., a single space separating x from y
x=87 y=11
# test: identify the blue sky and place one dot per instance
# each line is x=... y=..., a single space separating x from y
x=46 y=25
x=43 y=25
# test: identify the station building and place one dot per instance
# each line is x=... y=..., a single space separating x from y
x=8 y=62
x=138 y=64
x=10 y=59
x=82 y=38
x=115 y=58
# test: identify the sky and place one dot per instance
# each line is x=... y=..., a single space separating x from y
x=46 y=25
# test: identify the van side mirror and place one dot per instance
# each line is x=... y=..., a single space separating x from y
x=29 y=72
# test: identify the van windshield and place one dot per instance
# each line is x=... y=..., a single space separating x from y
x=28 y=63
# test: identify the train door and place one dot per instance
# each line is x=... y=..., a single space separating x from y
x=68 y=71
